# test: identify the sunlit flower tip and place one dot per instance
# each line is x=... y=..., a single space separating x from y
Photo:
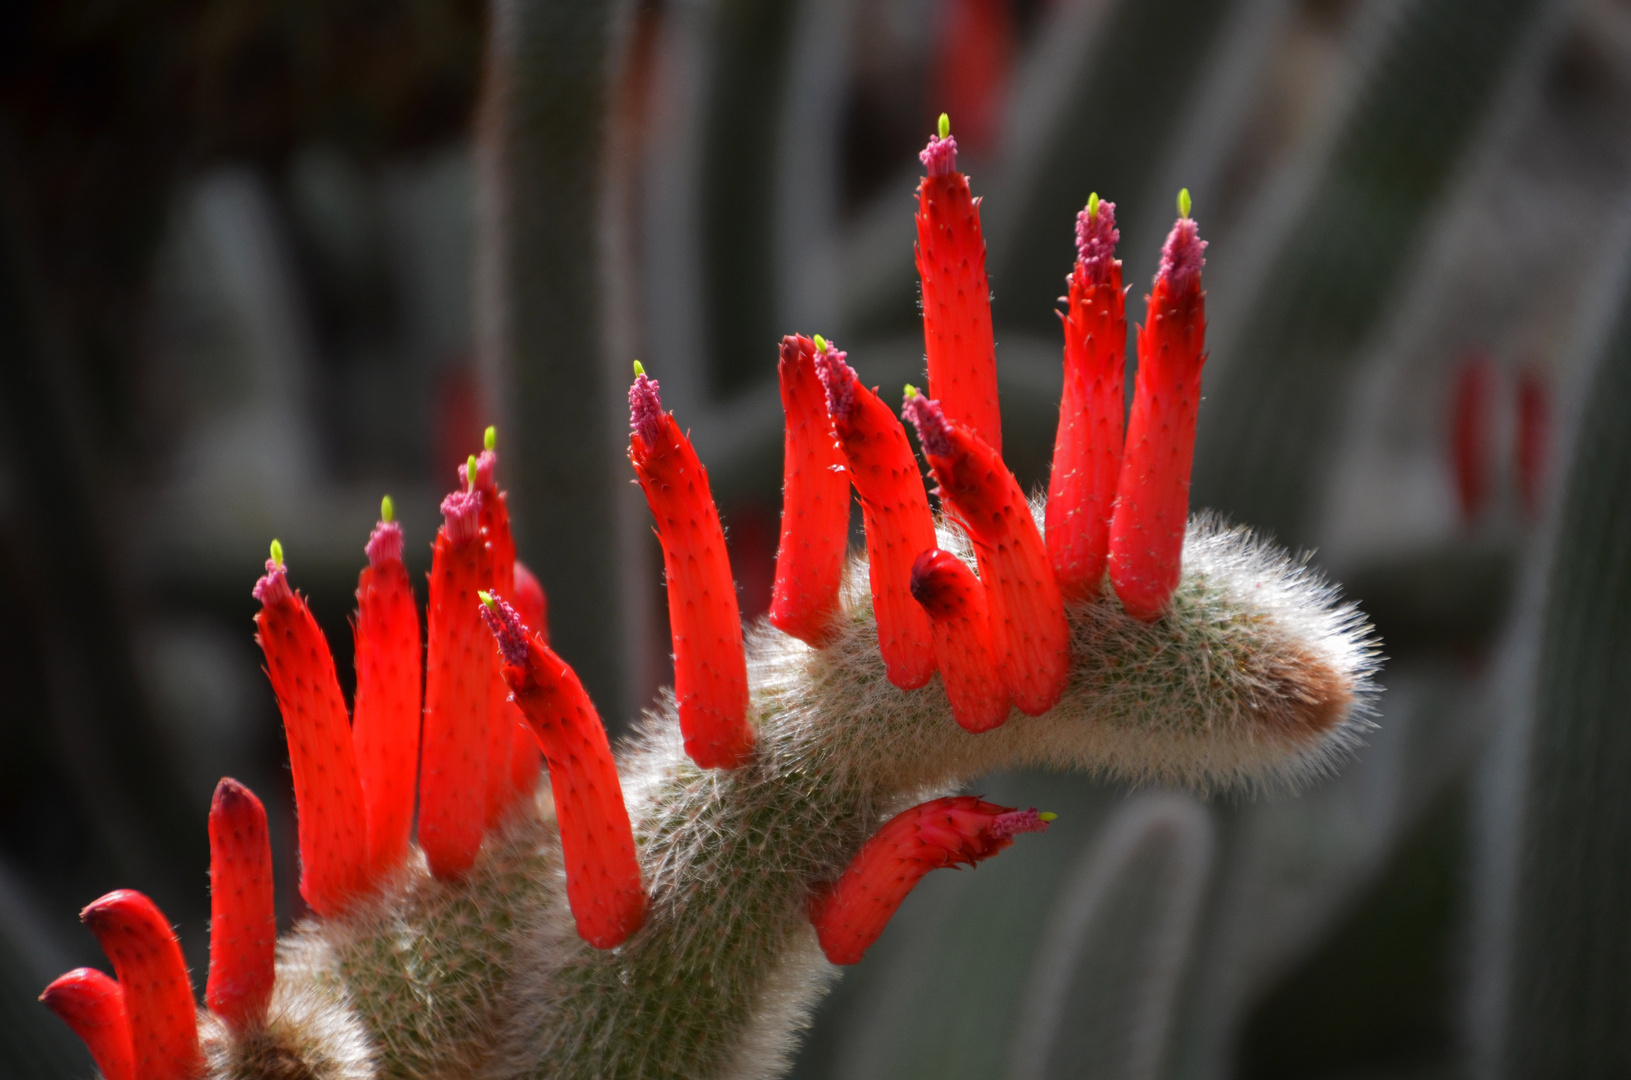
x=1182 y=257
x=645 y=406
x=273 y=587
x=837 y=378
x=461 y=515
x=93 y=1005
x=489 y=438
x=507 y=628
x=385 y=542
x=939 y=157
x=1096 y=238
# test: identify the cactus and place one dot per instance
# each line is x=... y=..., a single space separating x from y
x=1554 y=956
x=675 y=910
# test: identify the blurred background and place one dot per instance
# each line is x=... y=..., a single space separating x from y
x=262 y=262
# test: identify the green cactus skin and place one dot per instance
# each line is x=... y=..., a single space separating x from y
x=1257 y=676
x=1564 y=946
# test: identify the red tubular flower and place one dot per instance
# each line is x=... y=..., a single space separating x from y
x=505 y=734
x=597 y=843
x=1534 y=437
x=815 y=503
x=1027 y=613
x=333 y=826
x=963 y=648
x=153 y=978
x=525 y=760
x=710 y=666
x=1470 y=434
x=243 y=926
x=849 y=915
x=385 y=717
x=957 y=337
x=1152 y=497
x=1087 y=448
x=94 y=1006
x=458 y=684
x=895 y=510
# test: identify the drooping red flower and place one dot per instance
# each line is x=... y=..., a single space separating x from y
x=851 y=913
x=957 y=335
x=1152 y=496
x=1087 y=448
x=335 y=867
x=597 y=842
x=710 y=666
x=964 y=648
x=894 y=509
x=815 y=502
x=243 y=923
x=1028 y=623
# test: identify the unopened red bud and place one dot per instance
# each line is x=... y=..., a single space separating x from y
x=963 y=647
x=152 y=975
x=94 y=1006
x=243 y=925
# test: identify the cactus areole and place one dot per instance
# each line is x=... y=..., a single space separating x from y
x=675 y=907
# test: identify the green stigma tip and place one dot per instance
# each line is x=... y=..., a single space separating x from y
x=945 y=125
x=485 y=597
x=387 y=510
x=639 y=368
x=911 y=391
x=1048 y=815
x=1093 y=205
x=1184 y=202
x=470 y=470
x=489 y=438
x=820 y=343
x=277 y=553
